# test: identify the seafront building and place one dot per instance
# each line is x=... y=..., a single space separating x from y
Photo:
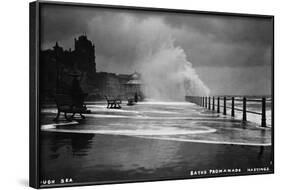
x=59 y=66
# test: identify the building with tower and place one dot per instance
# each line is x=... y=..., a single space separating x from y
x=58 y=66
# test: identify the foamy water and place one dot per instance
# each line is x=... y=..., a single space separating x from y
x=176 y=121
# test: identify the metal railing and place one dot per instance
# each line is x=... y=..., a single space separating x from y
x=208 y=102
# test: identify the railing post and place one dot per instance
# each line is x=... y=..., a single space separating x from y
x=244 y=109
x=218 y=106
x=209 y=102
x=203 y=103
x=224 y=105
x=232 y=107
x=213 y=103
x=206 y=102
x=263 y=113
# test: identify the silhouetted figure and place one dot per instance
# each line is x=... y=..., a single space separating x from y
x=78 y=96
x=136 y=97
x=77 y=93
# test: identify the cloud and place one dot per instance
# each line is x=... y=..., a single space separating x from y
x=207 y=40
x=59 y=23
x=226 y=28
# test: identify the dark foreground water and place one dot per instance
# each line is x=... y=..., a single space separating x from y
x=148 y=142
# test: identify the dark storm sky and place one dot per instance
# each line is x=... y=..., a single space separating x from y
x=232 y=55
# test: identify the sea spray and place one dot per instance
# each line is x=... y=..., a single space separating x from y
x=148 y=43
x=166 y=73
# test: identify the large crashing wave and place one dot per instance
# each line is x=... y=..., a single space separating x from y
x=166 y=73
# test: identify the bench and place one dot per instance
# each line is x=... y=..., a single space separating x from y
x=113 y=103
x=65 y=104
x=131 y=101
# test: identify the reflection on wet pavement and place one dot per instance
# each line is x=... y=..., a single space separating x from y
x=177 y=121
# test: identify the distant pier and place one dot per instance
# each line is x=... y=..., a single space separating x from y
x=216 y=103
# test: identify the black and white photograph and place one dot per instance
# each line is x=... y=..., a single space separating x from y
x=128 y=94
